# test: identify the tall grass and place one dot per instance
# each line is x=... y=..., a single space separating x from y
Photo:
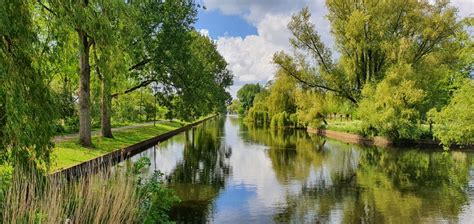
x=104 y=197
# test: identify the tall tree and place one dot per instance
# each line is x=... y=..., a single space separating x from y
x=78 y=16
x=190 y=75
x=367 y=34
x=384 y=47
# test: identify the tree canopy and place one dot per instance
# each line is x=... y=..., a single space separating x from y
x=396 y=61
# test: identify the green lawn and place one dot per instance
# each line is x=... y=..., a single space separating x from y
x=69 y=153
x=352 y=127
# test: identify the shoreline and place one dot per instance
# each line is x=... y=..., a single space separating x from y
x=383 y=141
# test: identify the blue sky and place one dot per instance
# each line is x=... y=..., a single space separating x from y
x=220 y=25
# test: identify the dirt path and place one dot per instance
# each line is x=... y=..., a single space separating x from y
x=61 y=138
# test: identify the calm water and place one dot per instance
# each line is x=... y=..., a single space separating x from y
x=227 y=172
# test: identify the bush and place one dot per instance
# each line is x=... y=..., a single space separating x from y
x=155 y=200
x=455 y=122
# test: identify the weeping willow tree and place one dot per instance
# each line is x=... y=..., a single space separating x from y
x=398 y=59
x=26 y=110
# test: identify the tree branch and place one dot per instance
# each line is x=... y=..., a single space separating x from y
x=140 y=85
x=47 y=8
x=140 y=64
x=101 y=77
x=314 y=85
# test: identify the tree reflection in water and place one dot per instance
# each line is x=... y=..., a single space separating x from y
x=387 y=187
x=198 y=178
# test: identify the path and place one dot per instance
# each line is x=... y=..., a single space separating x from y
x=61 y=138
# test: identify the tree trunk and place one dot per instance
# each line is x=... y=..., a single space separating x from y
x=84 y=91
x=105 y=106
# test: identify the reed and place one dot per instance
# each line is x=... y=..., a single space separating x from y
x=103 y=197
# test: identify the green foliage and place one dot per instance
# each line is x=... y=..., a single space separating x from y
x=280 y=120
x=203 y=90
x=139 y=165
x=137 y=106
x=235 y=107
x=454 y=124
x=311 y=108
x=26 y=106
x=155 y=200
x=389 y=108
x=247 y=94
x=398 y=60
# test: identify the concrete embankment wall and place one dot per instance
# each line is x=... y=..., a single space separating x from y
x=112 y=158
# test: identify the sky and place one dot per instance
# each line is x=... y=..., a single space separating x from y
x=249 y=32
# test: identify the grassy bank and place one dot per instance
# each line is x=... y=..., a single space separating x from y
x=70 y=153
x=353 y=127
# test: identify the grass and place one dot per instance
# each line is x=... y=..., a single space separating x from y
x=70 y=153
x=353 y=127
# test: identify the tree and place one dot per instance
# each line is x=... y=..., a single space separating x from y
x=109 y=51
x=204 y=80
x=79 y=16
x=454 y=123
x=282 y=94
x=366 y=35
x=376 y=41
x=234 y=107
x=26 y=107
x=247 y=93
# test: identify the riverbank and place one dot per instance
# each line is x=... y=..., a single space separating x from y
x=124 y=145
x=380 y=141
x=67 y=153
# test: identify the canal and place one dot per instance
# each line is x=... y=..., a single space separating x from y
x=227 y=172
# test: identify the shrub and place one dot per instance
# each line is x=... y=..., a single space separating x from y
x=455 y=122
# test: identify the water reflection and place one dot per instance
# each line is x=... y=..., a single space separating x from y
x=227 y=172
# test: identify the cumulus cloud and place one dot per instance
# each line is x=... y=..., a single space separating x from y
x=254 y=11
x=465 y=7
x=250 y=57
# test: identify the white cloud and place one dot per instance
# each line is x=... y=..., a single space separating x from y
x=204 y=32
x=250 y=58
x=465 y=7
x=255 y=10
